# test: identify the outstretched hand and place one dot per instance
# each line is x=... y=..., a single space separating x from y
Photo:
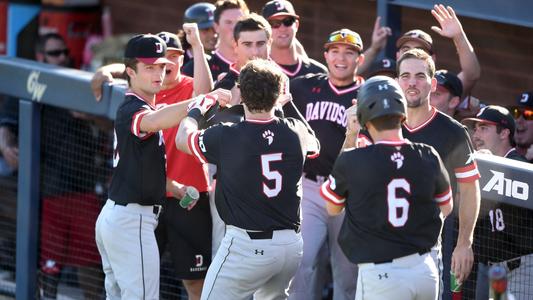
x=450 y=26
x=380 y=35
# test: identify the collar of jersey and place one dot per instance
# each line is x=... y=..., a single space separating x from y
x=426 y=122
x=227 y=61
x=393 y=143
x=130 y=93
x=260 y=121
x=289 y=73
x=352 y=87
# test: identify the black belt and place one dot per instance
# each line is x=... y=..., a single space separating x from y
x=421 y=252
x=315 y=177
x=156 y=208
x=263 y=235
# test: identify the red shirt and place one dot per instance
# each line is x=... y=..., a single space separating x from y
x=181 y=167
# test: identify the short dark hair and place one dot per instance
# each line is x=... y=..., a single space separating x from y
x=130 y=63
x=387 y=122
x=251 y=22
x=42 y=39
x=420 y=55
x=222 y=5
x=510 y=137
x=260 y=84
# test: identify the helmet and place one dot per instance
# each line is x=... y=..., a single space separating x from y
x=202 y=13
x=380 y=96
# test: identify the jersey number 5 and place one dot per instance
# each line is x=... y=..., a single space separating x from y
x=398 y=207
x=270 y=174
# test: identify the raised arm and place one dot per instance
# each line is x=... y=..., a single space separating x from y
x=451 y=27
x=203 y=82
x=379 y=41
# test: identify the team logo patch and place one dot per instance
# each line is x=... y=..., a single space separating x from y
x=398 y=158
x=269 y=136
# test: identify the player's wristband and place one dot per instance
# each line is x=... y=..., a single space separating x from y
x=196 y=114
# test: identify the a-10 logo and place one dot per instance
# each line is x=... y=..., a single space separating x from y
x=508 y=187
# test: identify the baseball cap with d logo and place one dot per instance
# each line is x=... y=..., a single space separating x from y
x=147 y=48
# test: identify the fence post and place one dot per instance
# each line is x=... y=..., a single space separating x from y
x=28 y=202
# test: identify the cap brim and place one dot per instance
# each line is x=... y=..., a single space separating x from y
x=477 y=120
x=154 y=60
x=283 y=14
x=443 y=88
x=176 y=49
x=327 y=45
x=205 y=25
x=405 y=39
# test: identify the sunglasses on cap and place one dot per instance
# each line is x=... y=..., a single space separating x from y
x=287 y=22
x=345 y=37
x=526 y=113
x=57 y=52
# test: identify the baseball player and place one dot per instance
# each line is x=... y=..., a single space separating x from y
x=523 y=115
x=226 y=14
x=323 y=99
x=285 y=23
x=392 y=201
x=447 y=95
x=504 y=233
x=262 y=245
x=125 y=227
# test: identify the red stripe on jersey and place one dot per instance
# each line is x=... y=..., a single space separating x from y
x=228 y=61
x=445 y=202
x=358 y=82
x=363 y=141
x=468 y=173
x=313 y=155
x=327 y=193
x=444 y=197
x=192 y=143
x=136 y=125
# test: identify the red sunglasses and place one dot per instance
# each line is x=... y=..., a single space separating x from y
x=526 y=113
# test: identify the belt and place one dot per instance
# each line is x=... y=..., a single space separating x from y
x=315 y=177
x=157 y=209
x=421 y=252
x=511 y=264
x=264 y=235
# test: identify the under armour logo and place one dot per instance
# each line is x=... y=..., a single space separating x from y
x=257 y=252
x=385 y=275
x=269 y=136
x=382 y=87
x=398 y=158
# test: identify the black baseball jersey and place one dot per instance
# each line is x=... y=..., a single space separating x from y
x=229 y=80
x=259 y=167
x=324 y=107
x=301 y=68
x=187 y=57
x=392 y=192
x=217 y=64
x=139 y=174
x=452 y=142
x=503 y=231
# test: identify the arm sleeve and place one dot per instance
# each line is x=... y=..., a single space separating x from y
x=443 y=191
x=310 y=144
x=205 y=144
x=464 y=166
x=132 y=115
x=335 y=189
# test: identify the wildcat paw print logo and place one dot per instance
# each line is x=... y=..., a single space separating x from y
x=269 y=136
x=398 y=158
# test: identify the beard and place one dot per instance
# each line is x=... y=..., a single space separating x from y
x=414 y=103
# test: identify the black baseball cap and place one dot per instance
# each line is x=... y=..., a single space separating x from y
x=495 y=115
x=450 y=82
x=147 y=48
x=416 y=35
x=172 y=41
x=383 y=66
x=278 y=8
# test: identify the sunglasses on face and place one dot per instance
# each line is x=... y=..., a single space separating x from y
x=287 y=22
x=526 y=113
x=57 y=52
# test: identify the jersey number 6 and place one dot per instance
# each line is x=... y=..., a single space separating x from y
x=271 y=174
x=398 y=207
